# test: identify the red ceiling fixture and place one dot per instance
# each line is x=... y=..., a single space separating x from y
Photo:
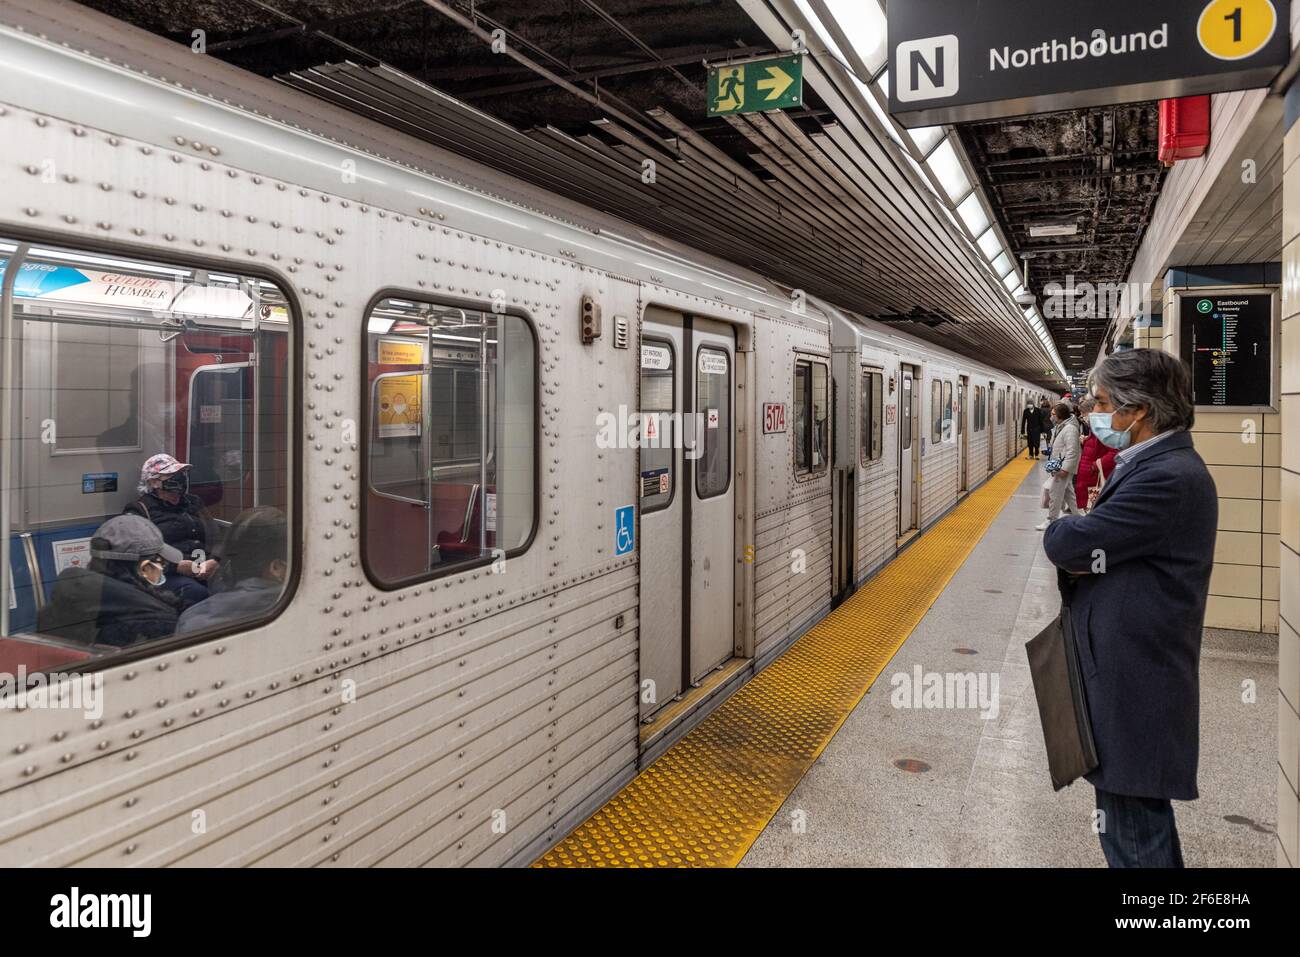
x=1184 y=128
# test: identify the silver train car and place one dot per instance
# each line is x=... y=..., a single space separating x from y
x=553 y=486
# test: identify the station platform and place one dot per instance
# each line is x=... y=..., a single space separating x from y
x=817 y=762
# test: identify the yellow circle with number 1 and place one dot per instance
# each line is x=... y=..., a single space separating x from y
x=1236 y=29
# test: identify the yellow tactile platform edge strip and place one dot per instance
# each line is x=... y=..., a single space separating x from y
x=709 y=797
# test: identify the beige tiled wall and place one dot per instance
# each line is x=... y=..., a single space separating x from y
x=1287 y=491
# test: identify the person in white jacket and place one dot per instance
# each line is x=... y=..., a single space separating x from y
x=1067 y=445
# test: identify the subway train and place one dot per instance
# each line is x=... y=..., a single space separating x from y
x=555 y=486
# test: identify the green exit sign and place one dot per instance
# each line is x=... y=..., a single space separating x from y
x=756 y=86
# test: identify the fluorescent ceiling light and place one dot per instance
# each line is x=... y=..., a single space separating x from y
x=990 y=245
x=863 y=22
x=926 y=138
x=947 y=169
x=973 y=214
x=1061 y=229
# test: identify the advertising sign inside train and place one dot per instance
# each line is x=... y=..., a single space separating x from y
x=953 y=61
x=158 y=294
x=1227 y=340
x=400 y=406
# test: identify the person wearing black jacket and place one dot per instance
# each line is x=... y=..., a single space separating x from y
x=185 y=524
x=116 y=599
x=1046 y=425
x=1031 y=427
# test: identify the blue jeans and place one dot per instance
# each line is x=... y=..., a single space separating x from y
x=1138 y=832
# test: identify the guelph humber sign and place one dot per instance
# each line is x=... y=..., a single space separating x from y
x=954 y=61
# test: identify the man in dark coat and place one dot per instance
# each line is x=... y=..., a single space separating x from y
x=1031 y=427
x=1046 y=425
x=1135 y=572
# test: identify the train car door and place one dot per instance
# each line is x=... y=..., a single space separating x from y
x=991 y=422
x=687 y=499
x=909 y=415
x=963 y=444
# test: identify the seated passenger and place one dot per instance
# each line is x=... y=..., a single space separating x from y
x=116 y=598
x=253 y=571
x=184 y=522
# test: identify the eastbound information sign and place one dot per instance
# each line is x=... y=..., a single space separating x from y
x=953 y=61
x=1227 y=339
x=756 y=86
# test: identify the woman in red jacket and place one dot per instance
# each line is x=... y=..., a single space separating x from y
x=1092 y=455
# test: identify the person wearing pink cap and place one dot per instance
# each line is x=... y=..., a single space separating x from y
x=166 y=501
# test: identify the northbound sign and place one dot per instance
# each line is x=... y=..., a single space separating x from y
x=954 y=61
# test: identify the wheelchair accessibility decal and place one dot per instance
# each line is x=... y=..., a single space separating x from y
x=624 y=530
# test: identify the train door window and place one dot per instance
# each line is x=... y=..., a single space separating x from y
x=936 y=411
x=872 y=413
x=158 y=390
x=961 y=408
x=658 y=402
x=811 y=416
x=905 y=415
x=450 y=464
x=947 y=412
x=713 y=410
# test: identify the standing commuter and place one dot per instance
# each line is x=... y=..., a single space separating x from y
x=1096 y=461
x=1135 y=573
x=1031 y=427
x=1063 y=464
x=1045 y=418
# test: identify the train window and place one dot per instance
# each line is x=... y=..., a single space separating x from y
x=948 y=433
x=811 y=416
x=658 y=402
x=450 y=465
x=960 y=410
x=146 y=479
x=981 y=409
x=713 y=408
x=936 y=411
x=872 y=412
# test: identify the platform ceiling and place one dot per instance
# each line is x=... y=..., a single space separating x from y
x=591 y=88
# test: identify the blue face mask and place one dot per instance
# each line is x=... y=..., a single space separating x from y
x=1100 y=423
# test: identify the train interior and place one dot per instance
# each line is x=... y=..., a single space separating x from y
x=450 y=458
x=109 y=362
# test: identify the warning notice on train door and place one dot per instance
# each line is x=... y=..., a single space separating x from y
x=1227 y=340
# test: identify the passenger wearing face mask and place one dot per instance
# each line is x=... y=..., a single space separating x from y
x=1135 y=574
x=185 y=524
x=116 y=599
x=1063 y=464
